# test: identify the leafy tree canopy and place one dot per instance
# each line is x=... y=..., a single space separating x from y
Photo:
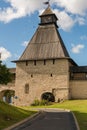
x=5 y=75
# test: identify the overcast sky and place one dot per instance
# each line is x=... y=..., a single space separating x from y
x=19 y=20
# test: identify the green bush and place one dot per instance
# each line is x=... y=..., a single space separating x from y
x=43 y=102
x=35 y=103
x=40 y=102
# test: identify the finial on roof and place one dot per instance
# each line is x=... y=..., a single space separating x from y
x=47 y=3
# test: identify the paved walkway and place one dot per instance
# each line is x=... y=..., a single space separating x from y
x=50 y=119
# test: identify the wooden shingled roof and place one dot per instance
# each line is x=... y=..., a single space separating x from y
x=46 y=43
x=47 y=11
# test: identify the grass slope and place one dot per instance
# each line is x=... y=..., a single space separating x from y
x=10 y=114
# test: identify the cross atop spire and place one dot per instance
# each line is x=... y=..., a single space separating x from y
x=47 y=3
x=47 y=11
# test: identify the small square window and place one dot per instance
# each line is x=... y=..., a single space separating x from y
x=31 y=75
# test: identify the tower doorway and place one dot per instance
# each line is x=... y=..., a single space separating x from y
x=48 y=96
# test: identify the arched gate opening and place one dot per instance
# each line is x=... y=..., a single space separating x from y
x=48 y=96
x=7 y=96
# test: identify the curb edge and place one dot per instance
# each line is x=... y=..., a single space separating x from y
x=26 y=119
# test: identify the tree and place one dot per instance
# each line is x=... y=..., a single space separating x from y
x=5 y=75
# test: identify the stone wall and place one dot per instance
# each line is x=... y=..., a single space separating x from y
x=42 y=76
x=78 y=89
x=9 y=86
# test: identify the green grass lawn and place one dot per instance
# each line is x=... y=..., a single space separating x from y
x=10 y=115
x=79 y=107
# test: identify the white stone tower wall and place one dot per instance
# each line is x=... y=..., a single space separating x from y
x=42 y=78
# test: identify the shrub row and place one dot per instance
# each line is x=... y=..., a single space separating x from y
x=41 y=103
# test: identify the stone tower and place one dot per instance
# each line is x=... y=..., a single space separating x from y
x=44 y=65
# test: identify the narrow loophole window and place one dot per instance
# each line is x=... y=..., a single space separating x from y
x=51 y=75
x=44 y=62
x=34 y=62
x=53 y=61
x=26 y=88
x=26 y=63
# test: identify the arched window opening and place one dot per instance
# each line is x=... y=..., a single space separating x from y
x=7 y=96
